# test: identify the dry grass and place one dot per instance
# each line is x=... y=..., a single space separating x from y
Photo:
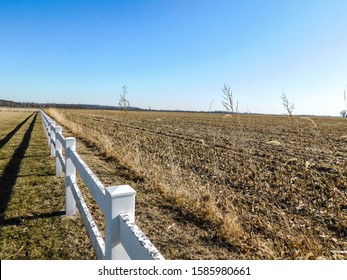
x=311 y=121
x=274 y=142
x=261 y=200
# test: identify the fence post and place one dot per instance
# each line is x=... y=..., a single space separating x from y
x=70 y=171
x=45 y=125
x=119 y=199
x=49 y=132
x=43 y=122
x=53 y=140
x=58 y=147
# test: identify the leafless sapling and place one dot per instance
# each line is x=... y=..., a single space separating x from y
x=287 y=105
x=228 y=102
x=123 y=101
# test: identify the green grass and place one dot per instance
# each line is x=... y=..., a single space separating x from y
x=32 y=220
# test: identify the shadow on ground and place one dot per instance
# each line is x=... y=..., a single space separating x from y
x=13 y=132
x=16 y=221
x=11 y=171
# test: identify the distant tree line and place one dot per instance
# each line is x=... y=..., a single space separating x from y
x=12 y=104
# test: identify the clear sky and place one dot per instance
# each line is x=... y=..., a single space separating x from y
x=176 y=54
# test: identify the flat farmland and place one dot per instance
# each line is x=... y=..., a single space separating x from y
x=254 y=186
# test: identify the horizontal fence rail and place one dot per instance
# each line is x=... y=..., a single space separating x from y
x=123 y=238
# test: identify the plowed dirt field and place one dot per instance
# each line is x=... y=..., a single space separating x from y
x=257 y=186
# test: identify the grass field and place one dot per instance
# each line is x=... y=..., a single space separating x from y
x=32 y=222
x=226 y=187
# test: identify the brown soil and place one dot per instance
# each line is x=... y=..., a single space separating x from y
x=235 y=187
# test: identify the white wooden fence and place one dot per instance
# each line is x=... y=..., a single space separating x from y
x=15 y=109
x=123 y=239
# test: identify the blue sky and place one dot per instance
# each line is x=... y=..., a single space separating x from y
x=176 y=54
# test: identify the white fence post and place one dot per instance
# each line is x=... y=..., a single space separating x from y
x=58 y=148
x=119 y=199
x=53 y=139
x=44 y=122
x=70 y=171
x=49 y=132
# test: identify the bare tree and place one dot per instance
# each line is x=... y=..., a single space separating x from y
x=123 y=101
x=228 y=97
x=287 y=105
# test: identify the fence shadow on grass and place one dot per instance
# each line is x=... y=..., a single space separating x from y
x=13 y=132
x=11 y=171
x=16 y=221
